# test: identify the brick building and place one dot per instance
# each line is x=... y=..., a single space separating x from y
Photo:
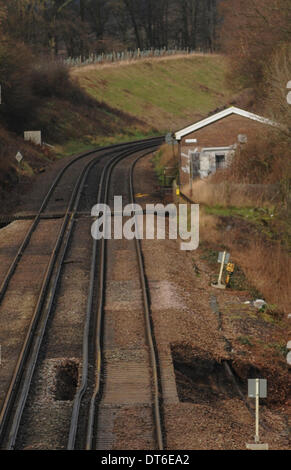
x=211 y=143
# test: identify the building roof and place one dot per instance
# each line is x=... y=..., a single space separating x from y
x=216 y=117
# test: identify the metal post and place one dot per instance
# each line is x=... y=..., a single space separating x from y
x=222 y=266
x=257 y=437
x=257 y=388
x=180 y=162
x=191 y=176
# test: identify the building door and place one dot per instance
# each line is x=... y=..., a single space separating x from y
x=220 y=161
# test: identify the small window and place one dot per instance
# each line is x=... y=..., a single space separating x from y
x=220 y=161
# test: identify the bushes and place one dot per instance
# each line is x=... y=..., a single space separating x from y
x=166 y=164
x=251 y=32
x=277 y=74
x=18 y=101
x=52 y=80
x=259 y=174
x=262 y=161
x=27 y=84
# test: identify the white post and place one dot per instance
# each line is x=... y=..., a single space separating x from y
x=222 y=266
x=257 y=437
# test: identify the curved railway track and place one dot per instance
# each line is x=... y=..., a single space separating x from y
x=149 y=329
x=103 y=198
x=16 y=397
x=44 y=205
x=96 y=392
x=92 y=418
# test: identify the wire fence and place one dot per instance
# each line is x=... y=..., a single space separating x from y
x=126 y=56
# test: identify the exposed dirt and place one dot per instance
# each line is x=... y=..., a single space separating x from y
x=17 y=178
x=201 y=379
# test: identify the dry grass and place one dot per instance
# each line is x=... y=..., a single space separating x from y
x=227 y=194
x=151 y=60
x=266 y=264
x=269 y=268
x=169 y=156
x=166 y=164
x=238 y=217
x=10 y=144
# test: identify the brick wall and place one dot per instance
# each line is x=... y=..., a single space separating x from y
x=223 y=133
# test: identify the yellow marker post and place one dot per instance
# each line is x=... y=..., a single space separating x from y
x=230 y=271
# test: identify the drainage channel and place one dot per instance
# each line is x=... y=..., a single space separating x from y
x=202 y=379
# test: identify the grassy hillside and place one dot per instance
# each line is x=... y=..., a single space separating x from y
x=165 y=93
x=114 y=103
x=75 y=127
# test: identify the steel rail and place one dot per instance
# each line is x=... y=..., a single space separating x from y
x=107 y=170
x=18 y=371
x=28 y=235
x=29 y=369
x=98 y=361
x=21 y=363
x=149 y=327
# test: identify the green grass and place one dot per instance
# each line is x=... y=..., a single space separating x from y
x=159 y=170
x=134 y=101
x=245 y=341
x=278 y=348
x=74 y=147
x=128 y=135
x=161 y=93
x=252 y=214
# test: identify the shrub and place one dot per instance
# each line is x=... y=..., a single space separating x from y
x=52 y=79
x=18 y=101
x=27 y=86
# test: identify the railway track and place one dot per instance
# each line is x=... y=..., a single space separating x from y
x=19 y=387
x=94 y=430
x=149 y=330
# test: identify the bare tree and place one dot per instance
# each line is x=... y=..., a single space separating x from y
x=251 y=32
x=87 y=24
x=132 y=8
